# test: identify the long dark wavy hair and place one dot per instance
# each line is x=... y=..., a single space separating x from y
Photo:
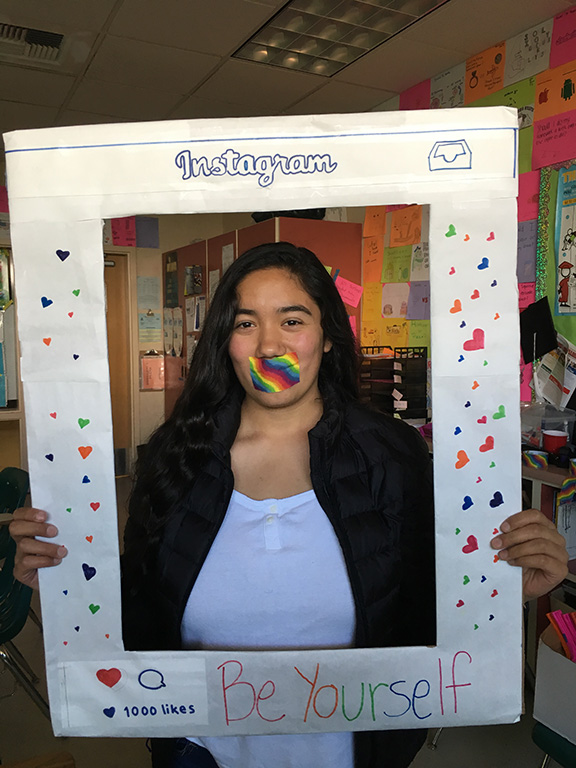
x=179 y=447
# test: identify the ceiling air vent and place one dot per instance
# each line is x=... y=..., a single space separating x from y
x=30 y=44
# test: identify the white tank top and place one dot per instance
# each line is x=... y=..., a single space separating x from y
x=274 y=578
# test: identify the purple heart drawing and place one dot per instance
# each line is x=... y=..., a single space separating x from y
x=496 y=500
x=89 y=571
x=62 y=255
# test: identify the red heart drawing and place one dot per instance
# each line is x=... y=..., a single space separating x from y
x=476 y=294
x=496 y=558
x=65 y=642
x=47 y=341
x=471 y=545
x=107 y=636
x=53 y=414
x=495 y=531
x=488 y=445
x=475 y=385
x=479 y=480
x=491 y=236
x=109 y=676
x=89 y=539
x=482 y=420
x=460 y=603
x=85 y=451
x=452 y=271
x=456 y=307
x=70 y=314
x=494 y=593
x=462 y=459
x=477 y=340
x=95 y=505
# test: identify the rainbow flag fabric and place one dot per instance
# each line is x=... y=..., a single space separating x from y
x=275 y=374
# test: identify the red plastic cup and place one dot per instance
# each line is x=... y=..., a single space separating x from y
x=554 y=440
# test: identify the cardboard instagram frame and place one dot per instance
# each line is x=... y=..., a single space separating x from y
x=62 y=182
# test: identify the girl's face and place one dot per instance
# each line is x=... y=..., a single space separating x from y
x=276 y=317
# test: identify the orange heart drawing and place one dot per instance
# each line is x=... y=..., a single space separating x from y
x=85 y=450
x=456 y=307
x=47 y=341
x=89 y=539
x=466 y=238
x=488 y=445
x=463 y=459
x=496 y=316
x=475 y=385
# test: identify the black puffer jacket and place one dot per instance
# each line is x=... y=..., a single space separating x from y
x=372 y=476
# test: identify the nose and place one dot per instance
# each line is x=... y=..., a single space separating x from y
x=270 y=341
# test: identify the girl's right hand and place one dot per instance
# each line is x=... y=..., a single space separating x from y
x=31 y=553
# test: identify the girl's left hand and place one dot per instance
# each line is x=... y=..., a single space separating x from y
x=530 y=540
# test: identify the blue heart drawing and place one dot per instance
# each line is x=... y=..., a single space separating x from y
x=457 y=431
x=467 y=503
x=62 y=255
x=89 y=571
x=496 y=500
x=85 y=479
x=46 y=301
x=493 y=283
x=65 y=591
x=77 y=629
x=467 y=404
x=461 y=358
x=75 y=357
x=49 y=456
x=109 y=711
x=490 y=617
x=462 y=324
x=484 y=264
x=483 y=579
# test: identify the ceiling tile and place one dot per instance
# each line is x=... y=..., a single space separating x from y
x=337 y=97
x=74 y=117
x=56 y=15
x=194 y=107
x=33 y=86
x=217 y=26
x=132 y=62
x=16 y=117
x=117 y=100
x=399 y=64
x=269 y=89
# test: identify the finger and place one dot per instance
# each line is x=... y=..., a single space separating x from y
x=30 y=513
x=526 y=517
x=532 y=532
x=26 y=529
x=29 y=563
x=551 y=569
x=533 y=548
x=28 y=546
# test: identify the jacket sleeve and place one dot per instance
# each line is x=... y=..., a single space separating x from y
x=418 y=587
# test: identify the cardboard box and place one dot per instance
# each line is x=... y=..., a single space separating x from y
x=555 y=698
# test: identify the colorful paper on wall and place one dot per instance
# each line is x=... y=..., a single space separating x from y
x=528 y=195
x=528 y=53
x=527 y=240
x=555 y=91
x=565 y=242
x=420 y=264
x=395 y=332
x=124 y=231
x=485 y=73
x=372 y=302
x=350 y=292
x=554 y=140
x=171 y=280
x=419 y=334
x=417 y=97
x=374 y=221
x=526 y=295
x=149 y=328
x=563 y=47
x=525 y=379
x=395 y=299
x=3 y=199
x=447 y=88
x=525 y=142
x=372 y=254
x=406 y=226
x=419 y=301
x=396 y=264
x=520 y=96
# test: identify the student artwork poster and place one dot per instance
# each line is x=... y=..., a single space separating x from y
x=62 y=182
x=566 y=242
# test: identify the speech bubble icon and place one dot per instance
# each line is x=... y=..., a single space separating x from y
x=151 y=679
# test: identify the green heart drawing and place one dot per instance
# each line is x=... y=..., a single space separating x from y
x=83 y=423
x=94 y=608
x=500 y=413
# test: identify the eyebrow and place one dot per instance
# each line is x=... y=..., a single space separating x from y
x=280 y=310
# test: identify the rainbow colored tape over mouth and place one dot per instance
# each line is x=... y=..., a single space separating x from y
x=275 y=374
